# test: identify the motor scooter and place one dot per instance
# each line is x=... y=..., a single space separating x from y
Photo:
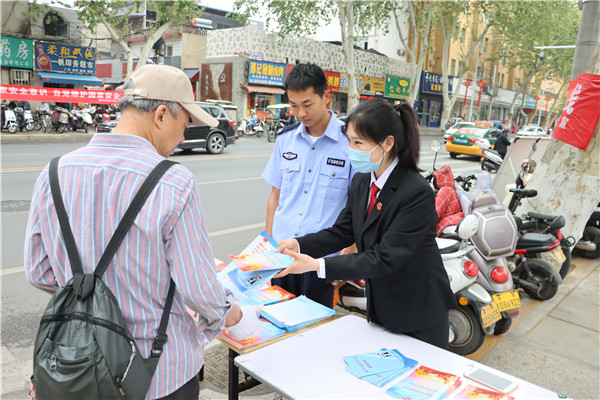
x=81 y=119
x=24 y=119
x=589 y=244
x=257 y=129
x=60 y=119
x=490 y=159
x=9 y=120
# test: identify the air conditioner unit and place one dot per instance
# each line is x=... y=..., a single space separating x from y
x=431 y=63
x=401 y=52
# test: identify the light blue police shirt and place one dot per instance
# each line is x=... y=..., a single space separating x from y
x=314 y=179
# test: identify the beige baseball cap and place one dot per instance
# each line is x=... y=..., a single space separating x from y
x=163 y=82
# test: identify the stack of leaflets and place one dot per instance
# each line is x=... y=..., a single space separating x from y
x=259 y=263
x=294 y=314
x=381 y=367
x=267 y=331
x=425 y=383
x=473 y=393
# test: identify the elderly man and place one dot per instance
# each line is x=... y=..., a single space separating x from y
x=167 y=241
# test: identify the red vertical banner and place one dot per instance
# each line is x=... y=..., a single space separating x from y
x=579 y=118
x=481 y=85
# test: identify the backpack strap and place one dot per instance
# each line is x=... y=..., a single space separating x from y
x=83 y=284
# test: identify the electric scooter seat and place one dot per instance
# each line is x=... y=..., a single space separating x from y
x=536 y=242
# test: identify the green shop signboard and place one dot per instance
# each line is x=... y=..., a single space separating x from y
x=396 y=88
x=16 y=52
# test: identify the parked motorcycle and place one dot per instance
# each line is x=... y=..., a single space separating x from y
x=275 y=127
x=490 y=159
x=81 y=119
x=60 y=119
x=24 y=119
x=9 y=120
x=257 y=129
x=493 y=242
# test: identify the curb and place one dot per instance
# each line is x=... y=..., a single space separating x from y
x=44 y=137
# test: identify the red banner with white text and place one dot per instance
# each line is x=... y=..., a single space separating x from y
x=59 y=95
x=581 y=114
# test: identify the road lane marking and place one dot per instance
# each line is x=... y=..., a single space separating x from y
x=181 y=159
x=21 y=269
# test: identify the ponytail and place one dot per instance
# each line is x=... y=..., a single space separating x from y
x=409 y=150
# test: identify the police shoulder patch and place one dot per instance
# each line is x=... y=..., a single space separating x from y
x=288 y=128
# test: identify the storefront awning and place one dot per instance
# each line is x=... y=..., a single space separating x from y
x=70 y=79
x=262 y=89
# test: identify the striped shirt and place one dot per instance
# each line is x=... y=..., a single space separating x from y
x=167 y=240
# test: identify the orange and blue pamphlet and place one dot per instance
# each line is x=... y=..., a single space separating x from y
x=472 y=392
x=267 y=331
x=424 y=384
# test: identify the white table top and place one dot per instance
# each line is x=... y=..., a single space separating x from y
x=310 y=365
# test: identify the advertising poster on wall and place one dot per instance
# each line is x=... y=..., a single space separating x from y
x=266 y=73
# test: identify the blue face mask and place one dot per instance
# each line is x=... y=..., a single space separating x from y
x=361 y=160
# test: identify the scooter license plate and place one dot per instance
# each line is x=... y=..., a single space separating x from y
x=507 y=300
x=558 y=255
x=490 y=314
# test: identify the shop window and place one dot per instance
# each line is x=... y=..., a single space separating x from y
x=20 y=76
x=55 y=25
x=169 y=51
x=261 y=101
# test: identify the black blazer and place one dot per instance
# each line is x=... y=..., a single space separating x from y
x=407 y=286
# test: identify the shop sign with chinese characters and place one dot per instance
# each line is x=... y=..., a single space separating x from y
x=16 y=52
x=373 y=86
x=333 y=81
x=344 y=83
x=433 y=83
x=55 y=57
x=396 y=88
x=579 y=119
x=266 y=73
x=29 y=93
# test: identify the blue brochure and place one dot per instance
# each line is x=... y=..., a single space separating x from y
x=380 y=367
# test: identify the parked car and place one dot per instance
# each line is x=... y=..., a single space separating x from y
x=456 y=127
x=106 y=127
x=531 y=130
x=463 y=140
x=214 y=140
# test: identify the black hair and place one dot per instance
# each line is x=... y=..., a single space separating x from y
x=377 y=119
x=304 y=76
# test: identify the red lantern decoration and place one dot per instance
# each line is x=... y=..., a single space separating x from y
x=467 y=83
x=481 y=85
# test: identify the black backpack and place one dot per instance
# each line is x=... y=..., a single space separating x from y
x=83 y=349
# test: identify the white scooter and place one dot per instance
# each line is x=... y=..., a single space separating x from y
x=491 y=159
x=257 y=129
x=81 y=119
x=9 y=120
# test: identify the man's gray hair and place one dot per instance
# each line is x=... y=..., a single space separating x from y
x=146 y=105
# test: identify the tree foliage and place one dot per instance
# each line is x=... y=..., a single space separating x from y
x=115 y=16
x=302 y=18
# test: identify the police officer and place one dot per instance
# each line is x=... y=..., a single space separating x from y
x=310 y=173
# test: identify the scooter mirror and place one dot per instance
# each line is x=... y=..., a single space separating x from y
x=467 y=226
x=435 y=145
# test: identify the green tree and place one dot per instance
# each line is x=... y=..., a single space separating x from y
x=114 y=15
x=419 y=17
x=448 y=15
x=526 y=24
x=301 y=18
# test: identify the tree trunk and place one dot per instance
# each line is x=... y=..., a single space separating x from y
x=567 y=178
x=550 y=118
x=511 y=110
x=346 y=17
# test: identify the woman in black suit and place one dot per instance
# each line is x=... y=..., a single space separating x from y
x=390 y=214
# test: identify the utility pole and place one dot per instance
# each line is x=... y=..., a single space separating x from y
x=475 y=82
x=492 y=97
x=588 y=47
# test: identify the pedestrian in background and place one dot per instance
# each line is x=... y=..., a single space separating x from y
x=309 y=172
x=390 y=215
